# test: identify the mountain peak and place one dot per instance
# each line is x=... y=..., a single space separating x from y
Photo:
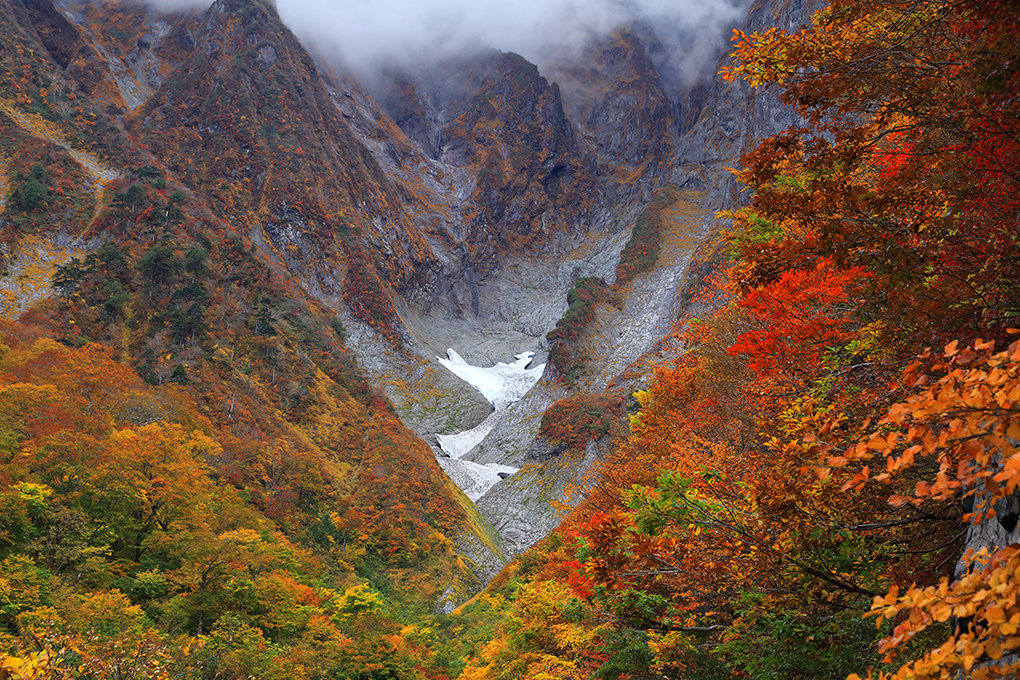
x=248 y=7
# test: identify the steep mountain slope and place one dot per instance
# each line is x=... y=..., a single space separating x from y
x=616 y=96
x=250 y=125
x=266 y=210
x=273 y=255
x=735 y=116
x=531 y=178
x=492 y=301
x=228 y=268
x=833 y=436
x=183 y=298
x=622 y=340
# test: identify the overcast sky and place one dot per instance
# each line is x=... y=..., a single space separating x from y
x=365 y=33
x=369 y=31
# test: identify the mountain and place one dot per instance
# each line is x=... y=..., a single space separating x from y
x=615 y=364
x=267 y=254
x=824 y=444
x=164 y=276
x=456 y=212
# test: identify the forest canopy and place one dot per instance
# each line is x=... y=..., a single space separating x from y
x=805 y=489
x=821 y=482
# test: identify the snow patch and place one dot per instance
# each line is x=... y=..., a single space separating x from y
x=502 y=385
x=474 y=478
x=456 y=445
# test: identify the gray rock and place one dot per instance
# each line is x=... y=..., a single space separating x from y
x=519 y=507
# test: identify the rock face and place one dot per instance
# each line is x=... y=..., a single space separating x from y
x=617 y=98
x=494 y=118
x=250 y=122
x=617 y=107
x=118 y=53
x=995 y=533
x=624 y=340
x=531 y=178
x=734 y=118
x=449 y=206
x=991 y=535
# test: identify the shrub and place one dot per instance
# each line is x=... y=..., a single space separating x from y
x=575 y=421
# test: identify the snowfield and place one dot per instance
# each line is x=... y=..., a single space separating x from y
x=502 y=385
x=456 y=445
x=473 y=478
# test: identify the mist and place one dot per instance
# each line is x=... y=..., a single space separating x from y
x=365 y=35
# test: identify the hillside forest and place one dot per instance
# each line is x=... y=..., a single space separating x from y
x=197 y=480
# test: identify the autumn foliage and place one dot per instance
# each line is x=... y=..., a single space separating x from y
x=196 y=479
x=806 y=468
x=582 y=301
x=642 y=249
x=574 y=421
x=820 y=479
x=136 y=533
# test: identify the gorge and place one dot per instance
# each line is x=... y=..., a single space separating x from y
x=454 y=339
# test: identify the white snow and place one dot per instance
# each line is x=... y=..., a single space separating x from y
x=502 y=385
x=474 y=478
x=456 y=445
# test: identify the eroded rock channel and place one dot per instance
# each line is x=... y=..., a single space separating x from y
x=502 y=385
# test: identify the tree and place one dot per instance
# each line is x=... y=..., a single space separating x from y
x=134 y=195
x=907 y=164
x=188 y=324
x=68 y=276
x=195 y=261
x=111 y=257
x=799 y=317
x=965 y=414
x=29 y=195
x=160 y=470
x=906 y=167
x=158 y=264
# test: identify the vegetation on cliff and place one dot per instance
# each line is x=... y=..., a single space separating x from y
x=196 y=479
x=582 y=300
x=532 y=177
x=807 y=469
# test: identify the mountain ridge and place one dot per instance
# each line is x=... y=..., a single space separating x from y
x=257 y=233
x=240 y=153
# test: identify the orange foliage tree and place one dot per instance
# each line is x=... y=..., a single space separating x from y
x=741 y=531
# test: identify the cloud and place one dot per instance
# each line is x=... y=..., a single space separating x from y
x=367 y=33
x=364 y=34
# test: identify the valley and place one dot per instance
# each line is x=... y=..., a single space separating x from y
x=294 y=249
x=625 y=355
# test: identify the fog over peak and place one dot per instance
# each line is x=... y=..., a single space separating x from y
x=366 y=35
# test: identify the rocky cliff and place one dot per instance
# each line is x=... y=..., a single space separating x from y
x=187 y=221
x=616 y=95
x=449 y=205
